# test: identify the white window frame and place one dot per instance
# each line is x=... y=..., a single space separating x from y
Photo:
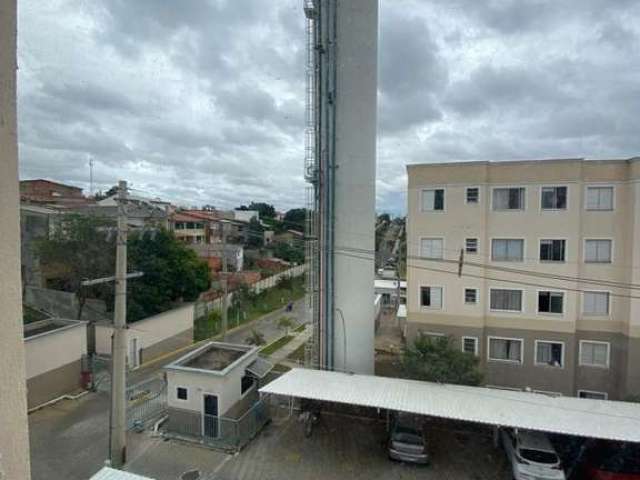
x=524 y=249
x=444 y=199
x=523 y=302
x=552 y=314
x=554 y=209
x=433 y=238
x=477 y=252
x=598 y=342
x=464 y=295
x=586 y=314
x=498 y=187
x=176 y=393
x=516 y=362
x=543 y=364
x=476 y=344
x=604 y=394
x=600 y=185
x=592 y=262
x=465 y=195
x=427 y=308
x=554 y=262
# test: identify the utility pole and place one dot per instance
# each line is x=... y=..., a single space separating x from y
x=118 y=414
x=91 y=175
x=118 y=424
x=225 y=283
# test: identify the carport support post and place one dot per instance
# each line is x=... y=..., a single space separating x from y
x=118 y=434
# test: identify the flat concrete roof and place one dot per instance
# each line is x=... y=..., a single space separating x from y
x=50 y=325
x=214 y=357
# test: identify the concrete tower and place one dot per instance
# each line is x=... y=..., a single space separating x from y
x=343 y=88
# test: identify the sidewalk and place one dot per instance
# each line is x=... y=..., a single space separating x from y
x=299 y=340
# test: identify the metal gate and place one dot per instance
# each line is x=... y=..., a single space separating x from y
x=146 y=401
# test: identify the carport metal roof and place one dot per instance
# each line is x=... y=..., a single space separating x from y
x=573 y=416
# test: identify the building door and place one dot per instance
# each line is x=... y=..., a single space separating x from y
x=210 y=415
x=133 y=353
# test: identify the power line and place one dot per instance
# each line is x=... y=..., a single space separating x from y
x=484 y=277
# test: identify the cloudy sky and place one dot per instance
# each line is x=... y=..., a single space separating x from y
x=203 y=101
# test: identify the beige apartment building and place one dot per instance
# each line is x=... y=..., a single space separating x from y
x=549 y=292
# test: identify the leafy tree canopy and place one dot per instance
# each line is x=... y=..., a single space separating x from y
x=266 y=210
x=172 y=272
x=435 y=359
x=256 y=234
x=289 y=253
x=295 y=218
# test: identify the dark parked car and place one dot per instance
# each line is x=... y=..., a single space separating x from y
x=611 y=461
x=407 y=443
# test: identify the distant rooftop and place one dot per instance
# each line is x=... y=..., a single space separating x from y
x=213 y=357
x=520 y=161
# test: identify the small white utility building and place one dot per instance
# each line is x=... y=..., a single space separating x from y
x=214 y=381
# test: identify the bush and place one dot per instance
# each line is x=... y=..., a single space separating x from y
x=437 y=360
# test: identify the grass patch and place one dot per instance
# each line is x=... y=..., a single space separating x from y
x=298 y=354
x=277 y=345
x=300 y=328
x=266 y=302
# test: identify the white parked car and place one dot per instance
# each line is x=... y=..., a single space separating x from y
x=531 y=455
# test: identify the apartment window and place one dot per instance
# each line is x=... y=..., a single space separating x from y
x=552 y=250
x=550 y=302
x=473 y=195
x=549 y=353
x=592 y=395
x=507 y=250
x=432 y=247
x=470 y=345
x=594 y=354
x=182 y=393
x=554 y=198
x=597 y=251
x=433 y=200
x=505 y=349
x=506 y=300
x=471 y=245
x=508 y=198
x=599 y=198
x=471 y=295
x=596 y=303
x=431 y=297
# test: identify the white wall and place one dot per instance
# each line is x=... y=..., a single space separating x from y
x=356 y=114
x=14 y=440
x=55 y=349
x=149 y=331
x=245 y=215
x=227 y=387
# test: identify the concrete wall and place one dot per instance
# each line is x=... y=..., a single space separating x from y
x=154 y=335
x=14 y=441
x=460 y=220
x=54 y=361
x=226 y=387
x=355 y=157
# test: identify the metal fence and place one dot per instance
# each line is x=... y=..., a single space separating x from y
x=146 y=401
x=218 y=431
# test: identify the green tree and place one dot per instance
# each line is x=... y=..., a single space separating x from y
x=289 y=253
x=172 y=273
x=256 y=234
x=266 y=210
x=295 y=218
x=435 y=359
x=80 y=248
x=286 y=323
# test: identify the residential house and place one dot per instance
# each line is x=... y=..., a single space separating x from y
x=189 y=228
x=545 y=293
x=43 y=191
x=213 y=253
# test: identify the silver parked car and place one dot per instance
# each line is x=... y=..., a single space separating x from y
x=531 y=455
x=407 y=444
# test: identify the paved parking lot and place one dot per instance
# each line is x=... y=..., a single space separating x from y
x=69 y=440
